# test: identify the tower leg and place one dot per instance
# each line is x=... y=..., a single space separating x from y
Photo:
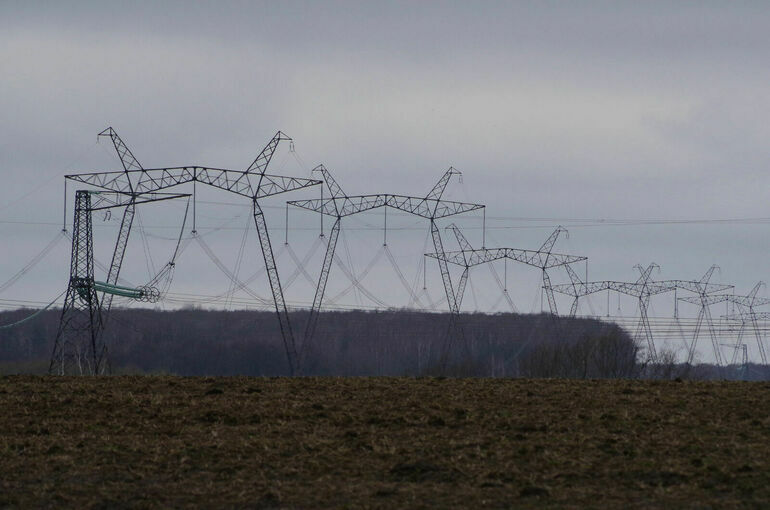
x=79 y=347
x=275 y=288
x=455 y=327
x=321 y=288
x=645 y=324
x=549 y=293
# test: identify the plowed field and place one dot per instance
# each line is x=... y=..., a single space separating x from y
x=382 y=443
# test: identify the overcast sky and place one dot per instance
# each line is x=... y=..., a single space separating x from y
x=570 y=111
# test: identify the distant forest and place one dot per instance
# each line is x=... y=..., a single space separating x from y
x=353 y=343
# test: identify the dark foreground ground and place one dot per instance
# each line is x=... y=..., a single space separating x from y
x=397 y=443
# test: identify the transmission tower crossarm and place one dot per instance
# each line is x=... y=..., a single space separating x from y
x=585 y=289
x=110 y=181
x=529 y=257
x=696 y=286
x=341 y=207
x=101 y=200
x=639 y=289
x=162 y=178
x=763 y=316
x=711 y=300
x=456 y=257
x=430 y=208
x=731 y=298
x=748 y=301
x=276 y=184
x=358 y=203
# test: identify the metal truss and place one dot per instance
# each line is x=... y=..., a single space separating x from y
x=643 y=289
x=576 y=289
x=346 y=206
x=468 y=257
x=79 y=346
x=136 y=183
x=432 y=207
x=252 y=183
x=543 y=258
x=748 y=315
x=340 y=205
x=154 y=179
x=702 y=288
x=746 y=319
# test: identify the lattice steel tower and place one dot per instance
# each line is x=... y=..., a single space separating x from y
x=79 y=347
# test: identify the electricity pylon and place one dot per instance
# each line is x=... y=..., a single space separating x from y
x=746 y=319
x=79 y=346
x=748 y=315
x=253 y=183
x=468 y=257
x=642 y=289
x=432 y=207
x=340 y=205
x=543 y=258
x=703 y=289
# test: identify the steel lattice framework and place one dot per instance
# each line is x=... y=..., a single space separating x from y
x=432 y=207
x=748 y=315
x=254 y=183
x=79 y=346
x=643 y=289
x=702 y=288
x=543 y=258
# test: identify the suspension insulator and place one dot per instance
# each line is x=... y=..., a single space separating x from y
x=149 y=294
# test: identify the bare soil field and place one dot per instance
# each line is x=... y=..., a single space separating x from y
x=145 y=441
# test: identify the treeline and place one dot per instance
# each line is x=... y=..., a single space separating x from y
x=202 y=342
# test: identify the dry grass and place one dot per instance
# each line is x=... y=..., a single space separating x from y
x=332 y=442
